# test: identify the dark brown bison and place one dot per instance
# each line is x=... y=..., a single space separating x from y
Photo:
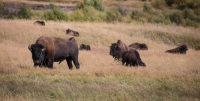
x=39 y=23
x=47 y=50
x=72 y=32
x=139 y=46
x=84 y=47
x=72 y=39
x=116 y=49
x=181 y=49
x=132 y=58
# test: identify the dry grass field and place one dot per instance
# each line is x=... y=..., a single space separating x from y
x=167 y=77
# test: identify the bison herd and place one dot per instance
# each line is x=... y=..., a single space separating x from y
x=47 y=50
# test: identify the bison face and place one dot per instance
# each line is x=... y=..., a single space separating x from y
x=144 y=47
x=114 y=50
x=38 y=53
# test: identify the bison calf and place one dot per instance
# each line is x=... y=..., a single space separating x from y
x=72 y=32
x=181 y=49
x=39 y=23
x=132 y=58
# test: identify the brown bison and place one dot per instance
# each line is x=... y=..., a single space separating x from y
x=132 y=58
x=139 y=46
x=84 y=47
x=39 y=23
x=47 y=50
x=116 y=49
x=72 y=32
x=181 y=49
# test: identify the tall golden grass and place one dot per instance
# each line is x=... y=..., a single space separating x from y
x=100 y=77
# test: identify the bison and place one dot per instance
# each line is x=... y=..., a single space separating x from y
x=47 y=50
x=39 y=23
x=85 y=47
x=132 y=58
x=116 y=49
x=181 y=49
x=139 y=46
x=72 y=32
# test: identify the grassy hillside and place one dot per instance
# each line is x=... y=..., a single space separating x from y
x=100 y=77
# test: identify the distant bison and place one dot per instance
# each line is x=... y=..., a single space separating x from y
x=139 y=46
x=47 y=50
x=39 y=23
x=132 y=58
x=72 y=32
x=72 y=39
x=116 y=49
x=181 y=49
x=84 y=47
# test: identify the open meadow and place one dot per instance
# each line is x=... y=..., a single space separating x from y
x=166 y=77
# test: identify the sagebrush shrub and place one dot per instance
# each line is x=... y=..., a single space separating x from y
x=25 y=12
x=113 y=15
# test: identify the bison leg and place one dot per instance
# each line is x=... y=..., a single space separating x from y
x=50 y=63
x=69 y=62
x=76 y=63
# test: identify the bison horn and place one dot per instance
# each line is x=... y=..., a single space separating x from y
x=29 y=47
x=43 y=49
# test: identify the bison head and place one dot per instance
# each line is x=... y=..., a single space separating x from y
x=38 y=53
x=143 y=47
x=115 y=51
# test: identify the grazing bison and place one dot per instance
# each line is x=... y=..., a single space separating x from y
x=140 y=46
x=181 y=49
x=132 y=58
x=116 y=49
x=47 y=50
x=84 y=47
x=39 y=23
x=72 y=32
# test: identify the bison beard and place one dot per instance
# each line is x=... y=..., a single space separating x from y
x=54 y=50
x=181 y=49
x=132 y=58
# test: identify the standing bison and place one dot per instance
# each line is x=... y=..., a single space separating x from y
x=132 y=58
x=47 y=50
x=181 y=49
x=72 y=32
x=139 y=46
x=116 y=49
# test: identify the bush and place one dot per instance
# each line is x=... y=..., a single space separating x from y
x=113 y=15
x=25 y=12
x=159 y=4
x=177 y=17
x=147 y=8
x=88 y=13
x=56 y=14
x=123 y=10
x=1 y=8
x=97 y=4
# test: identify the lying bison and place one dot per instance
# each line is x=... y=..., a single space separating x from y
x=84 y=47
x=72 y=32
x=181 y=49
x=47 y=50
x=132 y=58
x=116 y=49
x=139 y=46
x=39 y=23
